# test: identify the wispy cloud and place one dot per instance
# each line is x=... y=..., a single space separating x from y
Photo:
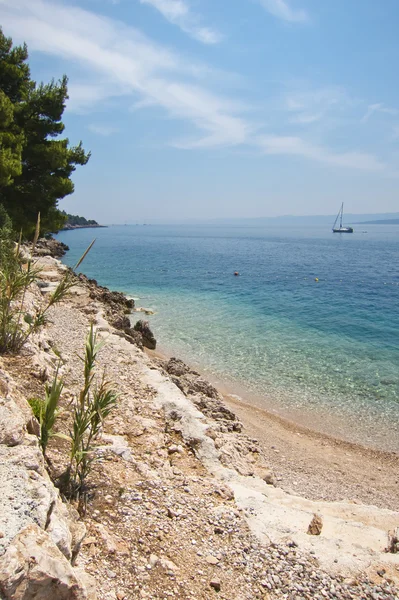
x=296 y=146
x=178 y=12
x=112 y=59
x=310 y=105
x=104 y=130
x=378 y=108
x=128 y=61
x=83 y=96
x=282 y=10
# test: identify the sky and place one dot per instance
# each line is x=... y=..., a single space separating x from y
x=222 y=108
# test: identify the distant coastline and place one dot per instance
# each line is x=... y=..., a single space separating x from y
x=380 y=222
x=78 y=222
x=69 y=227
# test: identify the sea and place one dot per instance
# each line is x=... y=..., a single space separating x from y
x=308 y=330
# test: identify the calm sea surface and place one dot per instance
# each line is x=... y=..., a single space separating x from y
x=324 y=353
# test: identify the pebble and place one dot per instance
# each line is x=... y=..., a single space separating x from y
x=215 y=584
x=180 y=506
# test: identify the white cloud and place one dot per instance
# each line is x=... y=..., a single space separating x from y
x=104 y=130
x=378 y=108
x=83 y=96
x=127 y=61
x=113 y=59
x=178 y=13
x=282 y=10
x=311 y=105
x=296 y=146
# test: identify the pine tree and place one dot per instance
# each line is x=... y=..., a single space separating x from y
x=43 y=175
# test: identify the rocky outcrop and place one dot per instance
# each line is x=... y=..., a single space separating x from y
x=143 y=328
x=202 y=393
x=34 y=568
x=50 y=247
x=117 y=303
x=40 y=536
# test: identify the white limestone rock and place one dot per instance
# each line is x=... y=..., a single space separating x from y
x=34 y=568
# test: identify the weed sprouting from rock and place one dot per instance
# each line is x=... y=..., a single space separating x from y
x=92 y=407
x=17 y=273
x=46 y=410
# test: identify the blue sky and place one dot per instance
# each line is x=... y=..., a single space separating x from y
x=223 y=108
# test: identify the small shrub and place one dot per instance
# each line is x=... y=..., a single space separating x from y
x=46 y=411
x=16 y=323
x=91 y=409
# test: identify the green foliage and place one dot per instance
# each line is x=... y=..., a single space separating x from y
x=11 y=143
x=16 y=275
x=46 y=411
x=35 y=166
x=77 y=220
x=8 y=259
x=91 y=409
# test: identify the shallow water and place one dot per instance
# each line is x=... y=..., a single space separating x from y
x=325 y=353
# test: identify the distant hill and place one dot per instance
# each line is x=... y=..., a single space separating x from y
x=287 y=220
x=379 y=222
x=77 y=222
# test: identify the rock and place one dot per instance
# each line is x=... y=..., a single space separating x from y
x=149 y=340
x=121 y=322
x=109 y=540
x=231 y=457
x=168 y=564
x=33 y=568
x=393 y=541
x=134 y=337
x=154 y=560
x=147 y=311
x=267 y=475
x=176 y=367
x=224 y=492
x=211 y=560
x=50 y=247
x=315 y=526
x=33 y=426
x=12 y=423
x=199 y=385
x=215 y=584
x=27 y=495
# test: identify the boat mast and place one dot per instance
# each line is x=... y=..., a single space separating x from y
x=342 y=212
x=336 y=219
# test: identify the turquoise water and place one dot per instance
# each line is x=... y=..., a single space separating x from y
x=324 y=353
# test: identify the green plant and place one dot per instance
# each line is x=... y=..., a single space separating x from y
x=46 y=411
x=16 y=275
x=36 y=160
x=91 y=409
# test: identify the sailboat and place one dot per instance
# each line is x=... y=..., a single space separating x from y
x=341 y=228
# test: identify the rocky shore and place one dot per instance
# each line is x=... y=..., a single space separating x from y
x=70 y=227
x=185 y=500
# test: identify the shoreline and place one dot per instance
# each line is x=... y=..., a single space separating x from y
x=357 y=417
x=324 y=422
x=73 y=227
x=182 y=494
x=311 y=463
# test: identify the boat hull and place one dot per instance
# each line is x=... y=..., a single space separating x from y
x=343 y=230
